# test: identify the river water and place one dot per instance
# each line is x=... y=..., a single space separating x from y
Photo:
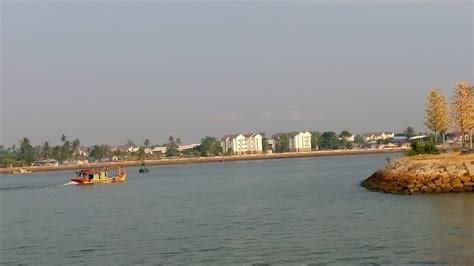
x=309 y=210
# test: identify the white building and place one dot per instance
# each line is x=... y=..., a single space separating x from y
x=242 y=143
x=159 y=150
x=299 y=141
x=81 y=152
x=270 y=145
x=378 y=136
x=133 y=149
x=188 y=146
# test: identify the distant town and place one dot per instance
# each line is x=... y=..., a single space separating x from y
x=239 y=144
x=439 y=118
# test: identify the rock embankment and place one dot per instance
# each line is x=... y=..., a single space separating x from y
x=408 y=176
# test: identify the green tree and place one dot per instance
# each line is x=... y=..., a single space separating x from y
x=358 y=139
x=97 y=152
x=26 y=154
x=56 y=153
x=141 y=153
x=409 y=132
x=130 y=143
x=282 y=144
x=264 y=142
x=66 y=149
x=76 y=144
x=46 y=150
x=345 y=134
x=7 y=157
x=146 y=143
x=172 y=149
x=210 y=146
x=315 y=137
x=343 y=140
x=328 y=140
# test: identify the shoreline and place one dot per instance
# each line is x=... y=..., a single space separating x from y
x=217 y=159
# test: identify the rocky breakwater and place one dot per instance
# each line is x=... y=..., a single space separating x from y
x=425 y=174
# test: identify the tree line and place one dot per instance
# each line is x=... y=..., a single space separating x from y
x=441 y=116
x=27 y=154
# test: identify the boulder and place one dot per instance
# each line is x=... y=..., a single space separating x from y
x=465 y=178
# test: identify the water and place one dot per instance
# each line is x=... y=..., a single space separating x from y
x=280 y=211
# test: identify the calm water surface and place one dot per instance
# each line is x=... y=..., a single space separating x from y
x=280 y=211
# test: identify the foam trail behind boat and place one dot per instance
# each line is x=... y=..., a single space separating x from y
x=69 y=183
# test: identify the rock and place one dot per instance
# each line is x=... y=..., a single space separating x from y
x=470 y=168
x=450 y=168
x=447 y=188
x=446 y=180
x=462 y=173
x=457 y=184
x=405 y=176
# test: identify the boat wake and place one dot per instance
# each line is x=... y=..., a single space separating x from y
x=69 y=184
x=37 y=187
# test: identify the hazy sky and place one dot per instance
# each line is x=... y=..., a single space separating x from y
x=105 y=72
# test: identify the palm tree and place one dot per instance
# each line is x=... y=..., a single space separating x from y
x=409 y=132
x=67 y=149
x=178 y=140
x=130 y=143
x=146 y=143
x=63 y=138
x=26 y=151
x=25 y=142
x=75 y=147
x=46 y=150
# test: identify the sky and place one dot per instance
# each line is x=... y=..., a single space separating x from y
x=106 y=71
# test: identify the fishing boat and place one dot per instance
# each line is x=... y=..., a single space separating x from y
x=99 y=176
x=143 y=169
x=21 y=171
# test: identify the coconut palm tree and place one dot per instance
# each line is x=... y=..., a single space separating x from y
x=46 y=150
x=76 y=144
x=146 y=143
x=26 y=151
x=409 y=132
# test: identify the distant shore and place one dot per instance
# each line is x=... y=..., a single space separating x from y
x=176 y=161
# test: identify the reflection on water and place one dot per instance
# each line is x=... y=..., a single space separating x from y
x=309 y=210
x=454 y=213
